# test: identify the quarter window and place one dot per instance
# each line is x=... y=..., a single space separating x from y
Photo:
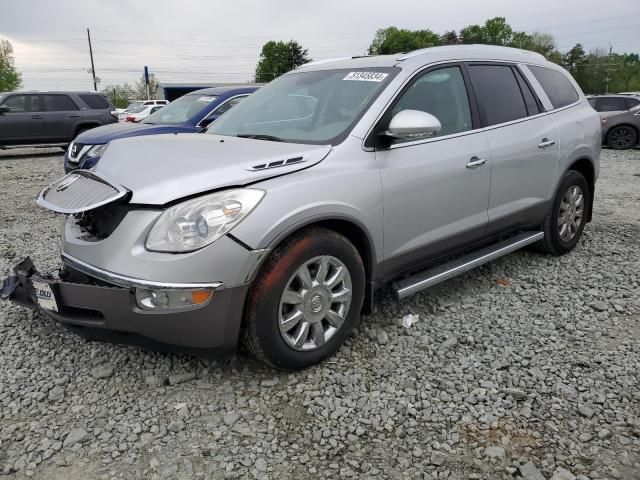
x=443 y=94
x=94 y=101
x=557 y=86
x=58 y=103
x=498 y=93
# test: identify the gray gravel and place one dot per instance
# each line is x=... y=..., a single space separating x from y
x=526 y=368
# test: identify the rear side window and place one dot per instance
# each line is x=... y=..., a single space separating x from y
x=611 y=104
x=632 y=102
x=58 y=103
x=498 y=93
x=529 y=98
x=96 y=102
x=557 y=87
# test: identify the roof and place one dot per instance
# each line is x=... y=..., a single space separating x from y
x=75 y=92
x=430 y=55
x=199 y=85
x=620 y=95
x=223 y=90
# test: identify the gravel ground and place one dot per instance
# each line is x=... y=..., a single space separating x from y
x=525 y=368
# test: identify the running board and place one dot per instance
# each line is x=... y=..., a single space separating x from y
x=420 y=281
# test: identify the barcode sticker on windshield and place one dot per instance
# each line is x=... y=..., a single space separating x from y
x=366 y=76
x=206 y=99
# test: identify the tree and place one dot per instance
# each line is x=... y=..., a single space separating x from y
x=574 y=57
x=120 y=95
x=449 y=38
x=394 y=40
x=277 y=58
x=10 y=77
x=140 y=88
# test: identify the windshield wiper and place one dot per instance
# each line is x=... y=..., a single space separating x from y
x=260 y=136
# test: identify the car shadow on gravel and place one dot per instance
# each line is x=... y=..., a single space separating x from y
x=29 y=153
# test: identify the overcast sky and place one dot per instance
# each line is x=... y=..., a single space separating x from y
x=215 y=41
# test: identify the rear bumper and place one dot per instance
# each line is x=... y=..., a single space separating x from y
x=97 y=310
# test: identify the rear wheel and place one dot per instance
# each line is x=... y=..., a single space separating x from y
x=622 y=138
x=305 y=300
x=565 y=223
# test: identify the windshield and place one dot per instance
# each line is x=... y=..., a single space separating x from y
x=134 y=105
x=180 y=110
x=306 y=107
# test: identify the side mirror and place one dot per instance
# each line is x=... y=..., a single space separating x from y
x=413 y=124
x=4 y=109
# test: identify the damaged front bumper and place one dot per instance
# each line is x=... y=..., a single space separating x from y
x=101 y=305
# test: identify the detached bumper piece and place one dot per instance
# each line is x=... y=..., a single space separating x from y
x=97 y=310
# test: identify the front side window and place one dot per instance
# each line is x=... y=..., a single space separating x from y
x=557 y=87
x=499 y=96
x=22 y=103
x=58 y=103
x=443 y=94
x=227 y=105
x=317 y=107
x=181 y=110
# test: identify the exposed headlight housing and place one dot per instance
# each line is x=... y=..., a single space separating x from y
x=196 y=223
x=97 y=150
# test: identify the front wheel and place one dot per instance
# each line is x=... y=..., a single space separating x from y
x=305 y=300
x=565 y=223
x=622 y=138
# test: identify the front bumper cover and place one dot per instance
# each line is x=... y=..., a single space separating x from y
x=102 y=311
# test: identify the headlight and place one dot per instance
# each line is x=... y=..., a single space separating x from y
x=97 y=150
x=196 y=223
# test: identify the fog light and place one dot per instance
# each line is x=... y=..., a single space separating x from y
x=171 y=299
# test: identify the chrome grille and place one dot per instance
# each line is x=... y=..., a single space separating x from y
x=80 y=191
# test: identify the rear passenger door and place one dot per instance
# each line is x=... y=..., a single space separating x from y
x=524 y=145
x=61 y=115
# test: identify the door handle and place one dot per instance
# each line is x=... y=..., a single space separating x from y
x=74 y=116
x=36 y=117
x=475 y=162
x=546 y=143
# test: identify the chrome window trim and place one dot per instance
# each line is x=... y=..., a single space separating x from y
x=217 y=107
x=535 y=85
x=131 y=282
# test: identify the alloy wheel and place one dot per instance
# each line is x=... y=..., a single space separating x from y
x=571 y=213
x=315 y=303
x=622 y=138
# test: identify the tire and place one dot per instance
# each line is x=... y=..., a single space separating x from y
x=554 y=241
x=266 y=334
x=622 y=137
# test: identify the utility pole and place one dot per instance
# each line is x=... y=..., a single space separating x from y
x=93 y=68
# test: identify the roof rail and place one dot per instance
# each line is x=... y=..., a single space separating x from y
x=320 y=62
x=478 y=46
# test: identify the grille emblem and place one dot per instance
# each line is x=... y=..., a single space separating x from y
x=74 y=150
x=66 y=182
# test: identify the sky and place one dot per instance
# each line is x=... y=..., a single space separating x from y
x=216 y=41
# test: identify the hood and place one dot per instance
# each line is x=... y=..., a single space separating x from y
x=114 y=131
x=168 y=167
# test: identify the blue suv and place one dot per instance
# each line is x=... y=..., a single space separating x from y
x=188 y=114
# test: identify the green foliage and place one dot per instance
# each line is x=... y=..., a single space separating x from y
x=121 y=95
x=277 y=58
x=10 y=77
x=394 y=40
x=600 y=71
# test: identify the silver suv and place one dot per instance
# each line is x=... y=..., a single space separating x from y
x=278 y=224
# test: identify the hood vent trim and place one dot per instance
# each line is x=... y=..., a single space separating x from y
x=277 y=163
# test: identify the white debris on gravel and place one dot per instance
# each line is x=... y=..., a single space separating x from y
x=525 y=368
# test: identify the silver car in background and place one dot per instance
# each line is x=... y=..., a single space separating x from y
x=277 y=225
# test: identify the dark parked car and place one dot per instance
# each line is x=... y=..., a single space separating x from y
x=188 y=114
x=51 y=118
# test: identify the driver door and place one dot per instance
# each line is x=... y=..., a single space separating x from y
x=436 y=189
